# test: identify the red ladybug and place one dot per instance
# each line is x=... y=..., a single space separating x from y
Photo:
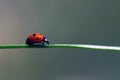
x=36 y=39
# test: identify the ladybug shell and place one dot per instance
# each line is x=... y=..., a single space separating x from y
x=34 y=38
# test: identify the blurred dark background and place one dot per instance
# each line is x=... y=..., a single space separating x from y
x=62 y=21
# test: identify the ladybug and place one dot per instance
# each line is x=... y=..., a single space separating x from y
x=36 y=39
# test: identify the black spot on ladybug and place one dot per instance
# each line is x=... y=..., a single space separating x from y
x=34 y=34
x=37 y=38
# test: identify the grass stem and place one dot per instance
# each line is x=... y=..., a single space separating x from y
x=84 y=46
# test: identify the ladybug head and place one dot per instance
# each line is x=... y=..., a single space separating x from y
x=45 y=39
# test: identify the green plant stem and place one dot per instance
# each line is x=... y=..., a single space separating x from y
x=84 y=46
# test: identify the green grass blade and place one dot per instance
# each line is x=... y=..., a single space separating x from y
x=84 y=46
x=9 y=46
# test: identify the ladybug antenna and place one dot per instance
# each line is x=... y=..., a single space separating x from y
x=46 y=40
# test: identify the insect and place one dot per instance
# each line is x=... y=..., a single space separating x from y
x=36 y=39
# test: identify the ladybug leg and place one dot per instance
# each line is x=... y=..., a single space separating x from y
x=42 y=44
